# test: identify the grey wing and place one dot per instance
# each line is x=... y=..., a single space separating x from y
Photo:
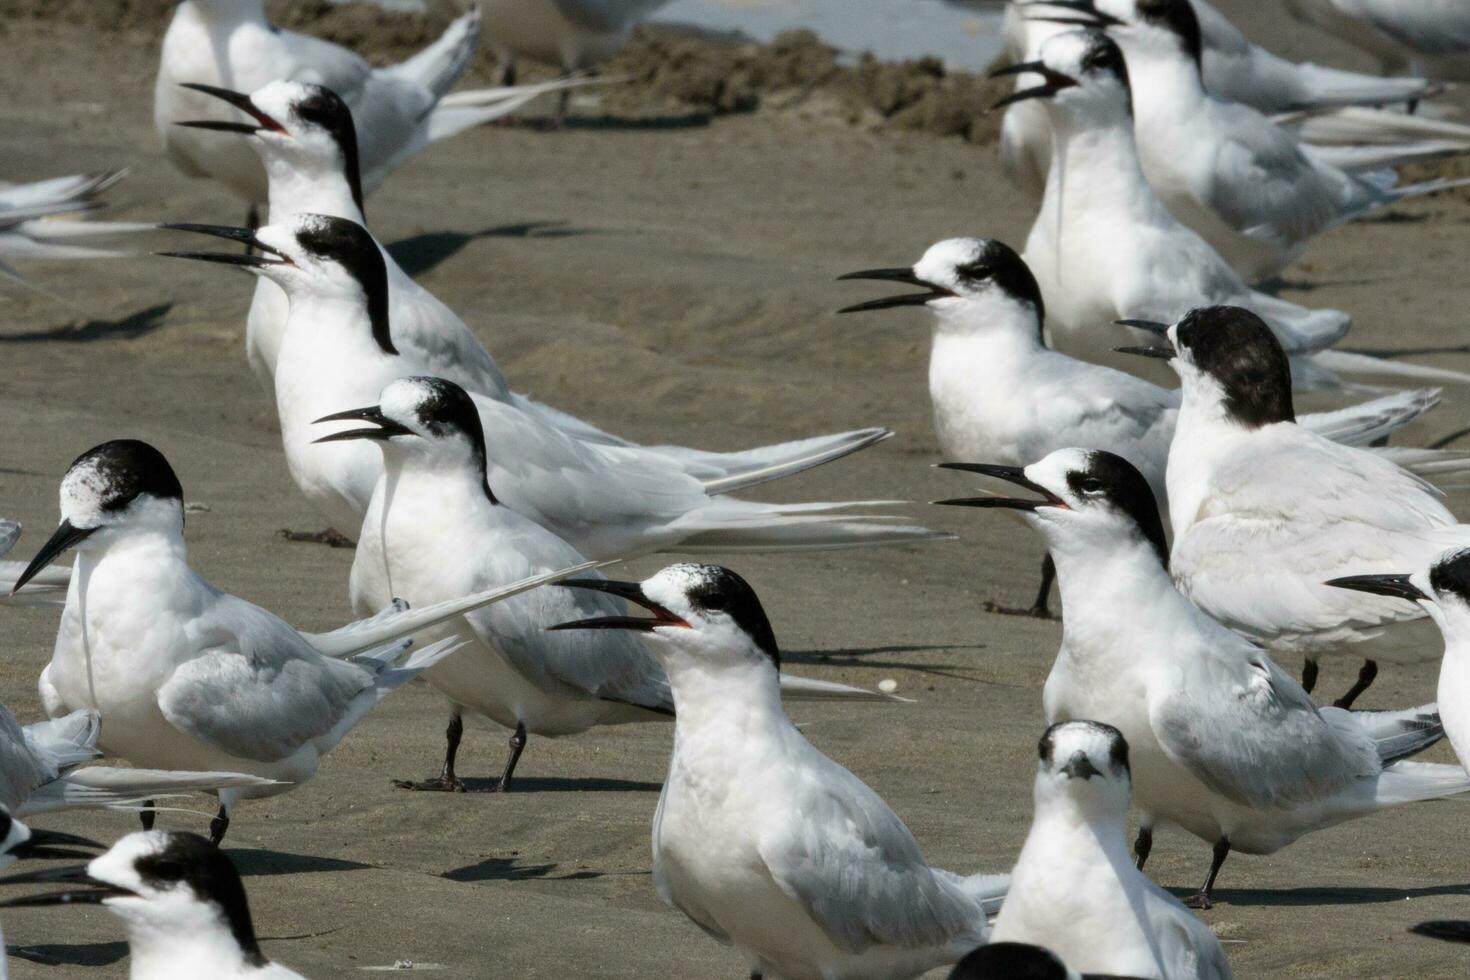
x=1254 y=736
x=20 y=771
x=607 y=16
x=856 y=869
x=321 y=62
x=257 y=689
x=1187 y=947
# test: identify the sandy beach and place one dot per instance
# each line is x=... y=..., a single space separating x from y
x=671 y=278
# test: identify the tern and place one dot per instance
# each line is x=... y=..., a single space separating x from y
x=760 y=839
x=400 y=109
x=435 y=530
x=19 y=842
x=1019 y=961
x=307 y=141
x=1443 y=590
x=607 y=501
x=1235 y=69
x=1222 y=743
x=1104 y=246
x=1224 y=169
x=1425 y=37
x=185 y=675
x=181 y=899
x=1265 y=511
x=1000 y=393
x=1075 y=889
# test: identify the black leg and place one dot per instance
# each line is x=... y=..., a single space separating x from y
x=1143 y=846
x=1201 y=898
x=1366 y=674
x=331 y=537
x=517 y=746
x=446 y=781
x=1309 y=675
x=563 y=99
x=218 y=826
x=1039 y=609
x=507 y=72
x=146 y=815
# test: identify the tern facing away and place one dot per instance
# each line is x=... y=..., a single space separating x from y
x=1104 y=247
x=607 y=501
x=181 y=899
x=1265 y=511
x=307 y=142
x=435 y=530
x=400 y=109
x=1222 y=743
x=1075 y=889
x=1000 y=393
x=760 y=839
x=1243 y=183
x=1443 y=590
x=184 y=675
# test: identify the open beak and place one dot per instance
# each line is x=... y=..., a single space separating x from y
x=632 y=592
x=240 y=101
x=1090 y=15
x=91 y=891
x=268 y=256
x=1055 y=82
x=1160 y=353
x=1010 y=474
x=1149 y=326
x=53 y=845
x=64 y=537
x=1393 y=586
x=895 y=275
x=385 y=429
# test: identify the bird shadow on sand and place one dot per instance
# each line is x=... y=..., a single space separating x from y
x=860 y=657
x=71 y=954
x=697 y=119
x=127 y=328
x=570 y=784
x=419 y=254
x=507 y=869
x=1292 y=897
x=254 y=862
x=1276 y=286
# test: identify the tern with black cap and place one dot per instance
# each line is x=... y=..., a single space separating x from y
x=182 y=901
x=1075 y=889
x=1265 y=511
x=761 y=840
x=183 y=675
x=1222 y=743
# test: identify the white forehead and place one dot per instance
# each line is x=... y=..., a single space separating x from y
x=276 y=99
x=943 y=258
x=1064 y=53
x=1051 y=471
x=670 y=588
x=400 y=401
x=85 y=488
x=1090 y=740
x=119 y=865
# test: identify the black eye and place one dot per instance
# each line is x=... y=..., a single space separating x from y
x=716 y=602
x=1090 y=484
x=166 y=870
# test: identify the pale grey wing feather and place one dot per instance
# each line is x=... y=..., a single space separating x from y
x=1431 y=26
x=610 y=665
x=607 y=16
x=1187 y=947
x=857 y=871
x=666 y=888
x=1254 y=736
x=319 y=62
x=9 y=534
x=20 y=770
x=257 y=689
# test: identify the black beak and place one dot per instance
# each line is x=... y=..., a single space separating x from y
x=1091 y=16
x=632 y=592
x=240 y=101
x=1449 y=930
x=1055 y=82
x=1161 y=353
x=1150 y=326
x=1080 y=767
x=269 y=256
x=894 y=275
x=93 y=891
x=386 y=427
x=53 y=844
x=1393 y=586
x=1010 y=474
x=64 y=537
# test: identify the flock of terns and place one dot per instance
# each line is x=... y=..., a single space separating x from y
x=1202 y=528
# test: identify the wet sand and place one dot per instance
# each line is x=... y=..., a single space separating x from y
x=671 y=281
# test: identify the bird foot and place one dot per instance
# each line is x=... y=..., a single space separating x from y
x=1034 y=612
x=1200 y=901
x=331 y=537
x=439 y=784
